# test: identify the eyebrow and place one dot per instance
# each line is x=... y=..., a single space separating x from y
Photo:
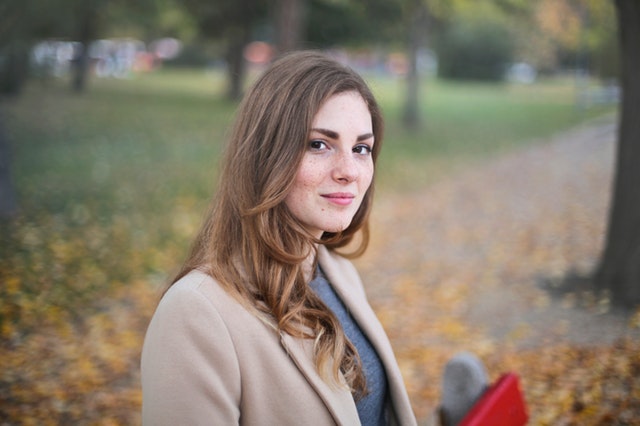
x=334 y=135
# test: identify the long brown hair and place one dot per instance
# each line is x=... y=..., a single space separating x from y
x=250 y=242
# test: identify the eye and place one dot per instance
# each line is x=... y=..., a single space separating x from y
x=317 y=145
x=362 y=149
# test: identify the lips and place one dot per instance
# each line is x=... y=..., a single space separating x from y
x=340 y=198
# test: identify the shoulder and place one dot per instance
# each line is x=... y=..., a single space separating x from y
x=195 y=293
x=189 y=347
x=196 y=282
x=198 y=294
x=195 y=285
x=197 y=319
x=190 y=309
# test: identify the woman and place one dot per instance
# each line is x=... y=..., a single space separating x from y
x=266 y=324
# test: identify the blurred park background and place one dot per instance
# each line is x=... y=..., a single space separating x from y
x=493 y=200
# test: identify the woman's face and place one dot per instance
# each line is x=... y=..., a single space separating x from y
x=337 y=167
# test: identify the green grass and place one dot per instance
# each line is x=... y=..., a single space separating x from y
x=164 y=130
x=126 y=139
x=126 y=169
x=466 y=122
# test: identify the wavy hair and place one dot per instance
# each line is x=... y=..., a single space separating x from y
x=250 y=242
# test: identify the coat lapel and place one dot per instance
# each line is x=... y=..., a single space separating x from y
x=338 y=400
x=346 y=282
x=351 y=292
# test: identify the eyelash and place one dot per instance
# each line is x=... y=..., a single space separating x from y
x=314 y=144
x=366 y=147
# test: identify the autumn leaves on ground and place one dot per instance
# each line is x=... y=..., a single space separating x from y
x=458 y=264
x=468 y=259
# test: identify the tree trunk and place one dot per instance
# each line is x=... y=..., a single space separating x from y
x=14 y=70
x=619 y=269
x=80 y=69
x=8 y=205
x=86 y=34
x=236 y=64
x=411 y=114
x=289 y=22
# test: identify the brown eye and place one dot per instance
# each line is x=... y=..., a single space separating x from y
x=362 y=149
x=317 y=144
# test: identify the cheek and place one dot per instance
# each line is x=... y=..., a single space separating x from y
x=309 y=175
x=367 y=176
x=306 y=180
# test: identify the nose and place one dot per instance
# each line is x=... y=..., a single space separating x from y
x=345 y=168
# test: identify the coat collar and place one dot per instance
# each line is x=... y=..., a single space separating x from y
x=338 y=399
x=346 y=281
x=347 y=284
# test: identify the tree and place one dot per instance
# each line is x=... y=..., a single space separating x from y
x=578 y=33
x=351 y=22
x=89 y=20
x=417 y=15
x=24 y=22
x=85 y=24
x=289 y=24
x=422 y=19
x=619 y=268
x=477 y=46
x=21 y=22
x=232 y=21
x=8 y=205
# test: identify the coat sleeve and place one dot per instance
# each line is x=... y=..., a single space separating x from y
x=190 y=371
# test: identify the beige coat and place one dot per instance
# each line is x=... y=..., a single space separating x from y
x=206 y=360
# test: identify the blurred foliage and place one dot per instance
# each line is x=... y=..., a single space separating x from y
x=580 y=34
x=352 y=23
x=476 y=46
x=224 y=18
x=111 y=188
x=549 y=34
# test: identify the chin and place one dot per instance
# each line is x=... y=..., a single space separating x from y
x=336 y=229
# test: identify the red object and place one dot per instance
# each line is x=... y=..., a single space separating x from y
x=501 y=405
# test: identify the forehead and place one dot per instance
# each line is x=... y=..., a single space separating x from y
x=344 y=109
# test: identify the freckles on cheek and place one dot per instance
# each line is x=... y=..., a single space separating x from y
x=308 y=178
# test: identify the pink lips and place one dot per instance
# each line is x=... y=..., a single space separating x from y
x=340 y=198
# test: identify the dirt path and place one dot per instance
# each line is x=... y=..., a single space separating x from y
x=467 y=256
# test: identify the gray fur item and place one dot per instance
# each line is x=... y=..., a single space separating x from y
x=465 y=380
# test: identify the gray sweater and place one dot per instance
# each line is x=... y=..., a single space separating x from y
x=371 y=408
